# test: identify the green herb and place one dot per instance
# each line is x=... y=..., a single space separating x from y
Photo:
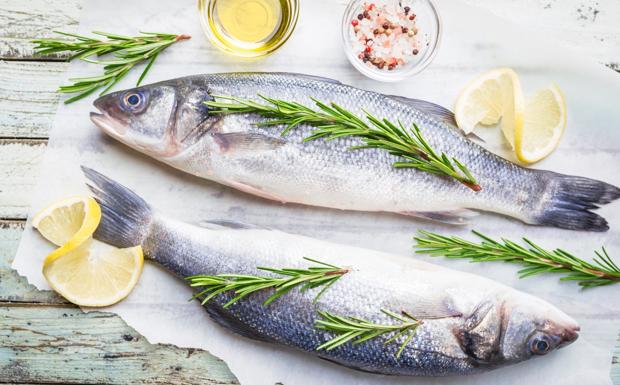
x=333 y=121
x=244 y=285
x=128 y=51
x=602 y=271
x=358 y=330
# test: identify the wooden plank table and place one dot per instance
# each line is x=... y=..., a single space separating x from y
x=44 y=339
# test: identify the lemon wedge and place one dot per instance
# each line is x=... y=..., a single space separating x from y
x=545 y=121
x=68 y=223
x=493 y=96
x=85 y=271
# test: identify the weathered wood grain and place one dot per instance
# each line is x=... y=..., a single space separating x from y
x=21 y=21
x=45 y=339
x=97 y=348
x=28 y=97
x=19 y=161
x=13 y=287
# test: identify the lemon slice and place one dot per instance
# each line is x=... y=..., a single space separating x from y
x=95 y=274
x=83 y=270
x=493 y=96
x=545 y=121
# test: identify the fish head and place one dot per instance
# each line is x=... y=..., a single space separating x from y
x=159 y=119
x=513 y=329
x=535 y=328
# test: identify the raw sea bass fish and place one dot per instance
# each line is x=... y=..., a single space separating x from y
x=469 y=323
x=170 y=122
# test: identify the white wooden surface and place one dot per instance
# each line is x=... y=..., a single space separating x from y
x=27 y=100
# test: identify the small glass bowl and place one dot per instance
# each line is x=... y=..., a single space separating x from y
x=243 y=49
x=428 y=23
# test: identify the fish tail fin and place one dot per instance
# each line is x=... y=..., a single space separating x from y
x=567 y=201
x=125 y=217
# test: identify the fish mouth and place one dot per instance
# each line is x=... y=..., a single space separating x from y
x=568 y=335
x=107 y=124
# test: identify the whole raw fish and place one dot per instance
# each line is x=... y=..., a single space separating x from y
x=469 y=323
x=170 y=122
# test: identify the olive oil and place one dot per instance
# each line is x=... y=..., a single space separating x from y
x=248 y=27
x=249 y=21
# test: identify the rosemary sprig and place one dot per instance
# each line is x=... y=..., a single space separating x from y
x=359 y=330
x=128 y=51
x=602 y=271
x=243 y=285
x=332 y=121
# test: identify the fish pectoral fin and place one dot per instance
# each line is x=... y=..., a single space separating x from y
x=227 y=224
x=480 y=335
x=350 y=365
x=440 y=113
x=248 y=188
x=478 y=315
x=243 y=141
x=472 y=136
x=452 y=217
x=432 y=308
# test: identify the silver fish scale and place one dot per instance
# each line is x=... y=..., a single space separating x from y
x=187 y=250
x=326 y=173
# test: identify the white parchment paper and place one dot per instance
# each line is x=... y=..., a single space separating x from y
x=474 y=40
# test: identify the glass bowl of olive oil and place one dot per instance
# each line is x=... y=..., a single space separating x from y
x=248 y=28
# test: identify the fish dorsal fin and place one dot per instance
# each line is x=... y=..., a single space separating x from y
x=439 y=112
x=244 y=141
x=228 y=224
x=310 y=77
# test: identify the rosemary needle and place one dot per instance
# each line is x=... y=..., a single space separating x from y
x=536 y=260
x=358 y=330
x=127 y=52
x=333 y=121
x=323 y=275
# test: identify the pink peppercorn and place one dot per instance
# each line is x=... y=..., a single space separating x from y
x=386 y=40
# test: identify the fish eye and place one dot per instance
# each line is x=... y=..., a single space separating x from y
x=133 y=101
x=540 y=345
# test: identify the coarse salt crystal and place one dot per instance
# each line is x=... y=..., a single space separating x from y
x=390 y=47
